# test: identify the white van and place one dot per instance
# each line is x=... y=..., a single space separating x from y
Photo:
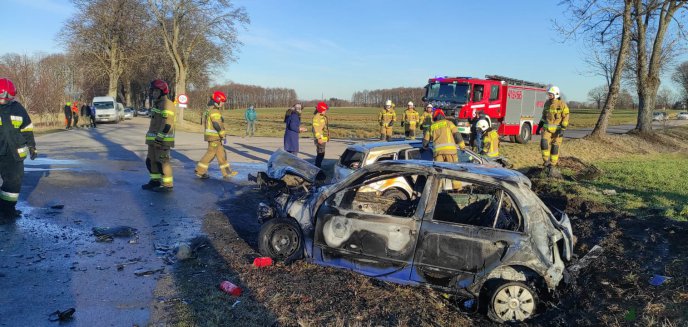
x=108 y=109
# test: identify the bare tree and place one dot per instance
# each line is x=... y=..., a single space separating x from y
x=105 y=35
x=598 y=95
x=680 y=77
x=602 y=22
x=652 y=21
x=203 y=32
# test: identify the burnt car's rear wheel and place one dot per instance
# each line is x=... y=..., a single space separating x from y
x=396 y=194
x=512 y=301
x=281 y=239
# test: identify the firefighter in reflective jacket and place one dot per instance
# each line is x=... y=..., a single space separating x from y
x=214 y=126
x=387 y=118
x=16 y=143
x=160 y=138
x=426 y=119
x=445 y=137
x=321 y=132
x=554 y=121
x=490 y=139
x=410 y=121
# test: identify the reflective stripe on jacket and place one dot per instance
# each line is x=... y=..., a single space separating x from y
x=411 y=118
x=387 y=117
x=555 y=115
x=491 y=144
x=214 y=125
x=16 y=131
x=321 y=129
x=442 y=135
x=162 y=123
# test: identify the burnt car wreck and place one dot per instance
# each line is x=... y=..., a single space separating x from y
x=471 y=230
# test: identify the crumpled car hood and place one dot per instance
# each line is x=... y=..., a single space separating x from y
x=282 y=163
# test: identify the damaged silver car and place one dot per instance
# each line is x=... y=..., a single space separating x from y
x=476 y=231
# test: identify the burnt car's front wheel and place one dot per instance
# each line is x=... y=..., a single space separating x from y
x=512 y=302
x=281 y=239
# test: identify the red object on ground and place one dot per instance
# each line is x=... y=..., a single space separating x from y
x=229 y=288
x=262 y=262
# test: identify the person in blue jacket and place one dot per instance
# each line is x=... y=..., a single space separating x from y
x=292 y=130
x=251 y=118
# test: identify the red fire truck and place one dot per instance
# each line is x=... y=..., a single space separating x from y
x=515 y=105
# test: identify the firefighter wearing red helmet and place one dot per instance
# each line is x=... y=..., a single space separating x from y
x=214 y=126
x=445 y=137
x=321 y=131
x=160 y=138
x=16 y=143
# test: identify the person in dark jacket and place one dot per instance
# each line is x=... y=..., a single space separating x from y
x=16 y=143
x=292 y=130
x=68 y=115
x=85 y=112
x=92 y=114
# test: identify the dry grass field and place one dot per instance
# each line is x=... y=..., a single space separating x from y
x=360 y=123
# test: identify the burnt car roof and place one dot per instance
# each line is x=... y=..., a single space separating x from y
x=495 y=172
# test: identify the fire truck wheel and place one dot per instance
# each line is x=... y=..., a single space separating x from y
x=526 y=134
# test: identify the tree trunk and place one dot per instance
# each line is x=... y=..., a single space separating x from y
x=113 y=71
x=600 y=129
x=180 y=88
x=648 y=72
x=127 y=94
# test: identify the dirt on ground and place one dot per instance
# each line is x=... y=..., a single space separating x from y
x=616 y=289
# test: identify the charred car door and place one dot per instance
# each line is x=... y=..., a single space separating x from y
x=470 y=229
x=369 y=232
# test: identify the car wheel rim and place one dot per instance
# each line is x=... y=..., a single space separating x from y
x=284 y=241
x=514 y=303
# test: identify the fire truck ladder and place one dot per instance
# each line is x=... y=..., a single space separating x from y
x=514 y=81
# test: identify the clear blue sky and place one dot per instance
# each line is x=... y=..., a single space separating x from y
x=334 y=48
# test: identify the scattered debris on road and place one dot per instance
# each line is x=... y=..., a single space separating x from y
x=62 y=315
x=107 y=234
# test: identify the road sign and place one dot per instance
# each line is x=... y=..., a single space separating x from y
x=183 y=99
x=182 y=105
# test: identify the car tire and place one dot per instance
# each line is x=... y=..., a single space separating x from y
x=525 y=135
x=396 y=194
x=512 y=301
x=281 y=239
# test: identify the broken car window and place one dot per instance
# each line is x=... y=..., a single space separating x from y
x=396 y=195
x=509 y=217
x=466 y=203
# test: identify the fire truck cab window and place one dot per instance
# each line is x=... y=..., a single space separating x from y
x=478 y=90
x=494 y=92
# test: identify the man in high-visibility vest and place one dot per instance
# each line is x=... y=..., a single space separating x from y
x=445 y=138
x=410 y=121
x=490 y=139
x=426 y=119
x=214 y=126
x=387 y=118
x=554 y=121
x=321 y=132
x=160 y=138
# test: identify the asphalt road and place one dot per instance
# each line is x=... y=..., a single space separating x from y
x=49 y=259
